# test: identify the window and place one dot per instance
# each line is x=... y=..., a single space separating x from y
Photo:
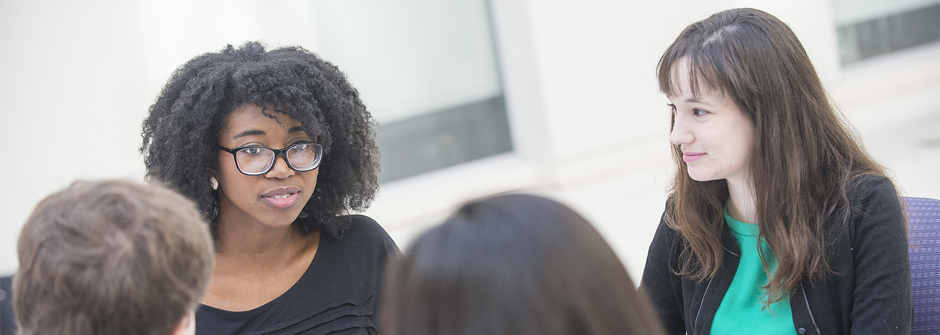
x=868 y=28
x=427 y=70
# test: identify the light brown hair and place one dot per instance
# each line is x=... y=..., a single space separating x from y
x=111 y=257
x=805 y=161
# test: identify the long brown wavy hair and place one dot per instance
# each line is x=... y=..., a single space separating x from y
x=804 y=163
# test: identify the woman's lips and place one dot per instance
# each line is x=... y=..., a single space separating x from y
x=689 y=157
x=281 y=197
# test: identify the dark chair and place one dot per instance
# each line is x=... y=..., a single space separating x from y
x=7 y=321
x=923 y=216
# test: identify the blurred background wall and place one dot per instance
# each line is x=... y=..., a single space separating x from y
x=474 y=97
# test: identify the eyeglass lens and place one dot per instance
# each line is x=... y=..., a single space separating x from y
x=257 y=160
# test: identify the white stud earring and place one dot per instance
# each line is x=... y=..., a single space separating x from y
x=213 y=182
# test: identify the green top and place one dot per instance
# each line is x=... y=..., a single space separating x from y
x=742 y=308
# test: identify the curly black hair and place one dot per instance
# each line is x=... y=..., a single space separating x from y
x=180 y=136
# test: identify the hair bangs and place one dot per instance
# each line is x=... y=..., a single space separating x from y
x=709 y=66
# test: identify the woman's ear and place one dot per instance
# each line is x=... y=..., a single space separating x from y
x=187 y=325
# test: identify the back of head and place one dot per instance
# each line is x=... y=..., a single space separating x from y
x=111 y=257
x=513 y=264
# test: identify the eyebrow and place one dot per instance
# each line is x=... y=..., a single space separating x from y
x=696 y=100
x=249 y=133
x=693 y=99
x=261 y=132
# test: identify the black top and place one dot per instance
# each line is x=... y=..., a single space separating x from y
x=870 y=294
x=337 y=294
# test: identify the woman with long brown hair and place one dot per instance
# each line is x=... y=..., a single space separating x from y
x=778 y=221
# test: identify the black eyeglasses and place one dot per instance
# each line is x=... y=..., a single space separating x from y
x=257 y=160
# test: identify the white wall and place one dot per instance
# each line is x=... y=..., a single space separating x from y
x=76 y=79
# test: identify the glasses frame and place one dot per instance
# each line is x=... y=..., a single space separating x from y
x=277 y=153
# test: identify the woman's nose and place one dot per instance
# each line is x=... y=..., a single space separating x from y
x=280 y=170
x=680 y=133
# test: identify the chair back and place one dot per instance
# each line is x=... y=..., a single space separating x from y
x=923 y=217
x=7 y=320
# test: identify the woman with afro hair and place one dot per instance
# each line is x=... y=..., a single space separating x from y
x=276 y=148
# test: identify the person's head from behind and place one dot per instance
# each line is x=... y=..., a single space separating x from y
x=111 y=257
x=513 y=264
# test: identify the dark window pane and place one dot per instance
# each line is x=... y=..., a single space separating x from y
x=444 y=138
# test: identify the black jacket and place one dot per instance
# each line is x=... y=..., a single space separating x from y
x=871 y=294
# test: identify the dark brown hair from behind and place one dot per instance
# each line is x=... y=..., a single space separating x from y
x=111 y=257
x=806 y=159
x=513 y=264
